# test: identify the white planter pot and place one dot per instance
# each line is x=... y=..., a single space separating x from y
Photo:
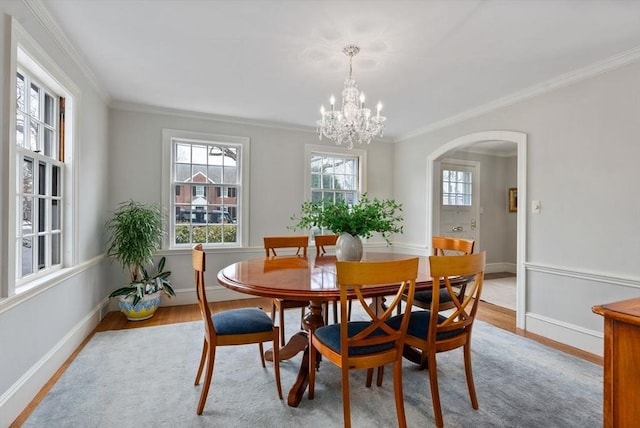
x=348 y=248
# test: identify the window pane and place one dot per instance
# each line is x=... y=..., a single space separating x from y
x=315 y=180
x=230 y=175
x=42 y=215
x=48 y=142
x=48 y=109
x=20 y=139
x=42 y=178
x=231 y=156
x=199 y=155
x=216 y=155
x=27 y=176
x=42 y=247
x=34 y=102
x=27 y=216
x=55 y=249
x=55 y=215
x=199 y=235
x=27 y=257
x=183 y=153
x=34 y=133
x=20 y=96
x=215 y=173
x=198 y=174
x=55 y=181
x=183 y=172
x=183 y=234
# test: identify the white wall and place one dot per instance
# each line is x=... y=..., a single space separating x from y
x=582 y=163
x=276 y=180
x=39 y=330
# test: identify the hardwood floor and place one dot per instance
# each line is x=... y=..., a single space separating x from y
x=492 y=314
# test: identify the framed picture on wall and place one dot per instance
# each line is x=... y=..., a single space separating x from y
x=513 y=199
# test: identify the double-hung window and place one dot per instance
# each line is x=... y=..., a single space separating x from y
x=206 y=175
x=40 y=170
x=40 y=177
x=334 y=175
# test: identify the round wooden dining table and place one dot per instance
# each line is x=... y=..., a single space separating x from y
x=311 y=279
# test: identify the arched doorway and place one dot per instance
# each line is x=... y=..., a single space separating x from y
x=520 y=139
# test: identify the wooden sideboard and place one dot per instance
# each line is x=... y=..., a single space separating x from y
x=621 y=362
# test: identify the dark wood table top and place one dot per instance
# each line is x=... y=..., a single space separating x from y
x=298 y=278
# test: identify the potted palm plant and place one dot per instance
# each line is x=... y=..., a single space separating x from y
x=135 y=231
x=352 y=222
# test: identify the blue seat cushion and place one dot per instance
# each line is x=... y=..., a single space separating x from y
x=241 y=321
x=427 y=295
x=330 y=336
x=419 y=325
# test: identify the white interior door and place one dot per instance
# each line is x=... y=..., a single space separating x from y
x=459 y=198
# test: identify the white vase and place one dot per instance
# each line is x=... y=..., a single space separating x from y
x=348 y=248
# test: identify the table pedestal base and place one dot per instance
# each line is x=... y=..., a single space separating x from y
x=299 y=342
x=294 y=346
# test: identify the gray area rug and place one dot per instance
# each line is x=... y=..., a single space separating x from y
x=144 y=377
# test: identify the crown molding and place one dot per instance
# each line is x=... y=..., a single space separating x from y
x=40 y=11
x=188 y=114
x=566 y=79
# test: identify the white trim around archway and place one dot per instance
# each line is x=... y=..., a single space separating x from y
x=520 y=139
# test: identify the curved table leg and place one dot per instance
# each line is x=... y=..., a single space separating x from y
x=293 y=347
x=312 y=320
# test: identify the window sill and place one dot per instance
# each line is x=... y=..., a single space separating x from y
x=40 y=285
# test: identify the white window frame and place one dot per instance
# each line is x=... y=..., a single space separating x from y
x=314 y=149
x=242 y=219
x=27 y=55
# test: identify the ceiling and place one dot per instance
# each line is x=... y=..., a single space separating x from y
x=277 y=61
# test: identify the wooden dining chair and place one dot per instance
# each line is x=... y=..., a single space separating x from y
x=433 y=332
x=445 y=246
x=322 y=241
x=299 y=243
x=366 y=344
x=233 y=327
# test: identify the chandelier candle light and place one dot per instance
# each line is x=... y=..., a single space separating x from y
x=353 y=123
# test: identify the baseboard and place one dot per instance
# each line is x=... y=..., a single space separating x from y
x=22 y=392
x=587 y=340
x=188 y=297
x=500 y=267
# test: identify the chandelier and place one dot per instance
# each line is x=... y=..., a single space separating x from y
x=354 y=122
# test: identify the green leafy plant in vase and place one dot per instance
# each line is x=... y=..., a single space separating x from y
x=352 y=222
x=135 y=232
